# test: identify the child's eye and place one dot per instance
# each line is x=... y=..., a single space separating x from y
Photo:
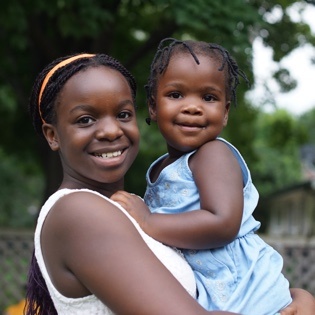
x=174 y=95
x=209 y=98
x=124 y=115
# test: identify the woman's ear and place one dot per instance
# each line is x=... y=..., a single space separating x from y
x=51 y=136
x=226 y=114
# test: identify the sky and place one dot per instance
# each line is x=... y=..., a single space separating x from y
x=302 y=98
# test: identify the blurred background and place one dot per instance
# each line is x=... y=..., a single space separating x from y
x=273 y=124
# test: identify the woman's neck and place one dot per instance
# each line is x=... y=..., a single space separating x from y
x=106 y=189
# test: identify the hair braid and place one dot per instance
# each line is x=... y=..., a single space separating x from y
x=38 y=300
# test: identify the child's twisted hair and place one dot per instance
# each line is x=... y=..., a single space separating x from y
x=170 y=47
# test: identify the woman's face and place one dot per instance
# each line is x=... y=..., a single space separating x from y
x=96 y=132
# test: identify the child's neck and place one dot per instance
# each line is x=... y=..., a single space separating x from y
x=157 y=169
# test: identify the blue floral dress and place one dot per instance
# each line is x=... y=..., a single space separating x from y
x=246 y=275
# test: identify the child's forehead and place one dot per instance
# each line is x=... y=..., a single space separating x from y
x=183 y=59
x=184 y=71
x=197 y=52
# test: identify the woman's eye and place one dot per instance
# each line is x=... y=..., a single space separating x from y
x=85 y=120
x=124 y=115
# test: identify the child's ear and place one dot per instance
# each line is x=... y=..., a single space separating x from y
x=226 y=114
x=152 y=109
x=51 y=136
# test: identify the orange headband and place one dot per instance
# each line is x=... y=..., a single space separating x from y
x=52 y=71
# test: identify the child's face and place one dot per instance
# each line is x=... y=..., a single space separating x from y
x=96 y=132
x=191 y=105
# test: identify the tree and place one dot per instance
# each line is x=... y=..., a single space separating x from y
x=279 y=136
x=34 y=32
x=308 y=120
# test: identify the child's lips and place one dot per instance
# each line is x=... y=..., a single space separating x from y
x=190 y=126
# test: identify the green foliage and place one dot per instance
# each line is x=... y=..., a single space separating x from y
x=21 y=190
x=282 y=130
x=286 y=82
x=241 y=129
x=308 y=121
x=278 y=139
x=275 y=169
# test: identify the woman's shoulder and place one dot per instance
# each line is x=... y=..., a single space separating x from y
x=84 y=205
x=69 y=212
x=82 y=217
x=79 y=197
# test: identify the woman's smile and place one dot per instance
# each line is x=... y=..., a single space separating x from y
x=109 y=154
x=112 y=159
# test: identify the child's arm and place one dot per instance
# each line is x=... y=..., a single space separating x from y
x=219 y=180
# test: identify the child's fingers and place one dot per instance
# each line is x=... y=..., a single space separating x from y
x=290 y=310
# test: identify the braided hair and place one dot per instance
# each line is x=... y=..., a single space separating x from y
x=42 y=103
x=170 y=47
x=44 y=97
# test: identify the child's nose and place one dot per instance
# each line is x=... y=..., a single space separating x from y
x=192 y=108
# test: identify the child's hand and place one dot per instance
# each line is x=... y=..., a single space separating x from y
x=133 y=204
x=303 y=303
x=289 y=310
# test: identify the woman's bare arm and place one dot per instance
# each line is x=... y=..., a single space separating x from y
x=98 y=245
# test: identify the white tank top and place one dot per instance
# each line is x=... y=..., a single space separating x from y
x=171 y=258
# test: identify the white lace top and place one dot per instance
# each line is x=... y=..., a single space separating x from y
x=172 y=259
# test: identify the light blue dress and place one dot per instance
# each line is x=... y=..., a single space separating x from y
x=244 y=276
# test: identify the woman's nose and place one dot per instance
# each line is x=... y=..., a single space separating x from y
x=108 y=129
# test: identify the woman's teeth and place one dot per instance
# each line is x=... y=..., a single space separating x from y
x=109 y=154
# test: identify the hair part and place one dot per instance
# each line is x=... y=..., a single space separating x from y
x=170 y=47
